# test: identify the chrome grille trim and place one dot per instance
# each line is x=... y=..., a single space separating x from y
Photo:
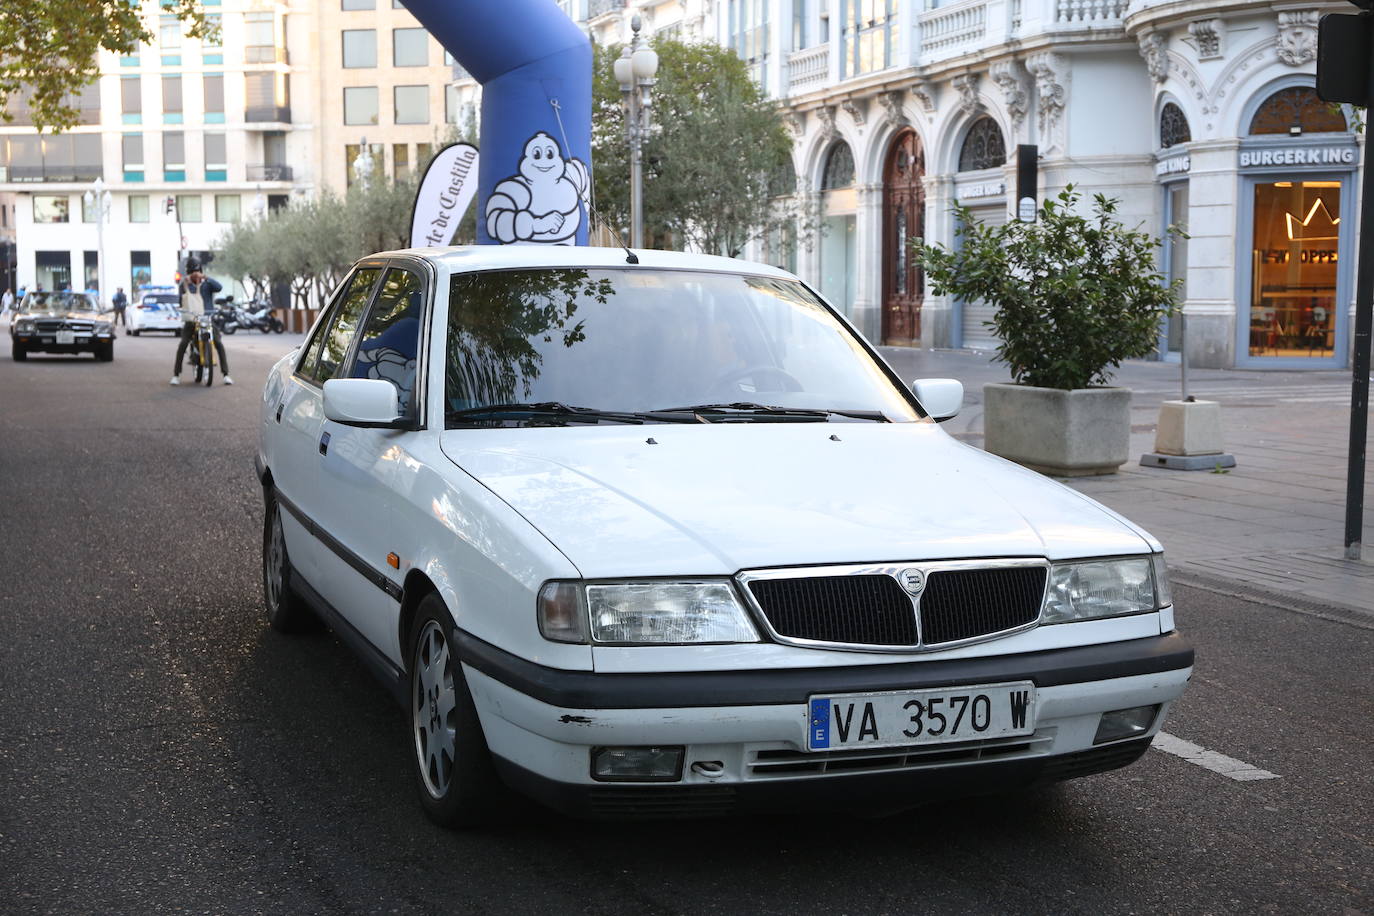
x=894 y=571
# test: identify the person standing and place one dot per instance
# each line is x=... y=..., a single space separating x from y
x=120 y=302
x=6 y=302
x=197 y=295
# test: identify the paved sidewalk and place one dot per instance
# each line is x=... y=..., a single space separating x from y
x=1273 y=525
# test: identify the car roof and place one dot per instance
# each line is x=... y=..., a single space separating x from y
x=462 y=258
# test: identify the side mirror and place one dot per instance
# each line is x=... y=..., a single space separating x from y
x=941 y=397
x=366 y=402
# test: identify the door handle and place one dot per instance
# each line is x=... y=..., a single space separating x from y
x=279 y=407
x=324 y=443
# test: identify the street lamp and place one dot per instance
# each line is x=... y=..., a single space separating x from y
x=99 y=198
x=363 y=164
x=634 y=71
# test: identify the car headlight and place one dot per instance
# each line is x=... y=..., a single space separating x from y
x=102 y=327
x=23 y=326
x=1093 y=589
x=644 y=613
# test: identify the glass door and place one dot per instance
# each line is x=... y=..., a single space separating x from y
x=1175 y=266
x=1295 y=270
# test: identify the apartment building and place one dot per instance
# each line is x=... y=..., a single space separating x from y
x=184 y=137
x=383 y=81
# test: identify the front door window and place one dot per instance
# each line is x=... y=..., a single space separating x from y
x=1294 y=269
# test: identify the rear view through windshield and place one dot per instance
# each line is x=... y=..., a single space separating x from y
x=640 y=340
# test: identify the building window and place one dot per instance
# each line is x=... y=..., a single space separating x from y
x=138 y=208
x=214 y=94
x=1297 y=110
x=131 y=147
x=409 y=48
x=140 y=268
x=360 y=105
x=90 y=260
x=748 y=24
x=983 y=147
x=215 y=155
x=423 y=153
x=188 y=208
x=216 y=23
x=131 y=96
x=360 y=47
x=169 y=33
x=1296 y=243
x=867 y=33
x=359 y=5
x=351 y=151
x=839 y=168
x=412 y=104
x=171 y=96
x=226 y=208
x=1173 y=126
x=400 y=160
x=259 y=30
x=174 y=150
x=51 y=208
x=452 y=106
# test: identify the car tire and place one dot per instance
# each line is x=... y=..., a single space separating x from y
x=454 y=775
x=287 y=612
x=104 y=353
x=135 y=333
x=19 y=352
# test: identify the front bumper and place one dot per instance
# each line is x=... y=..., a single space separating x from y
x=541 y=725
x=47 y=343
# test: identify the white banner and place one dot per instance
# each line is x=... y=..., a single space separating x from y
x=445 y=193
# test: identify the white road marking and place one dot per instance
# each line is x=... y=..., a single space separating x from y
x=1210 y=760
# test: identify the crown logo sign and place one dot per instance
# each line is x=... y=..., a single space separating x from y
x=1313 y=227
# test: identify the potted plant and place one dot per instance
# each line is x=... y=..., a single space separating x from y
x=1074 y=295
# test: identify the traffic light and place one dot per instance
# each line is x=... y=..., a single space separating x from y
x=170 y=205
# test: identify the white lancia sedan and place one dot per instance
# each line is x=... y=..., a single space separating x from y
x=658 y=535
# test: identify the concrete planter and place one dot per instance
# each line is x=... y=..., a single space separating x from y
x=1074 y=433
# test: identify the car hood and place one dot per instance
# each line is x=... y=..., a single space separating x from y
x=715 y=499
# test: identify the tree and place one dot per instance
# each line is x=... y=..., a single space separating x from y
x=51 y=47
x=708 y=162
x=1075 y=294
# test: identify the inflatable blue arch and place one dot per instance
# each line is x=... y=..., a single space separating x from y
x=535 y=68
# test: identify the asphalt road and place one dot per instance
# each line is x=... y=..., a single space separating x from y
x=161 y=751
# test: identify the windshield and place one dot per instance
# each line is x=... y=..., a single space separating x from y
x=57 y=302
x=702 y=346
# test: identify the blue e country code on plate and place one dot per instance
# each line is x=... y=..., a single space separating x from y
x=911 y=717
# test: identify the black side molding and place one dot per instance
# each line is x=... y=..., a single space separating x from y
x=365 y=569
x=779 y=687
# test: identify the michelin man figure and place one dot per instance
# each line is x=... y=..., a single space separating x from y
x=545 y=202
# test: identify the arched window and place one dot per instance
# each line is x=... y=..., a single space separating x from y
x=1173 y=126
x=983 y=147
x=839 y=167
x=1297 y=110
x=782 y=181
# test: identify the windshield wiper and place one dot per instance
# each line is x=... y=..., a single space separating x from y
x=565 y=412
x=747 y=408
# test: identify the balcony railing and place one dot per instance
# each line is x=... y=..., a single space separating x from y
x=601 y=7
x=1091 y=12
x=264 y=54
x=807 y=69
x=267 y=114
x=51 y=172
x=953 y=28
x=269 y=172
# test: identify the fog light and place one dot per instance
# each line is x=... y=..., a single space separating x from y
x=1125 y=723
x=637 y=764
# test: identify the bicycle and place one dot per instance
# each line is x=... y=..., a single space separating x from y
x=203 y=353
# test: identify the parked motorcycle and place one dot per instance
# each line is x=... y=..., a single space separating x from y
x=259 y=314
x=226 y=315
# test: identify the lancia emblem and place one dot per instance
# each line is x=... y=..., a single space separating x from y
x=913 y=580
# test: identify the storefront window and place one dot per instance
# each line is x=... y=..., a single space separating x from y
x=1294 y=261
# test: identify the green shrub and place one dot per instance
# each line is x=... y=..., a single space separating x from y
x=1074 y=295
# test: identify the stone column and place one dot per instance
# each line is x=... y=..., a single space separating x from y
x=937 y=312
x=868 y=257
x=1214 y=228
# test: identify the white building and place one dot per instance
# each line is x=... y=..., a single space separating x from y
x=1199 y=114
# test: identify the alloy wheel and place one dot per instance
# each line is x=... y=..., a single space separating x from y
x=274 y=562
x=433 y=701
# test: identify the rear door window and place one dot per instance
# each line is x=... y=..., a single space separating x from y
x=390 y=339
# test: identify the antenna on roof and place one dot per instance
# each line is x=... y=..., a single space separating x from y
x=630 y=256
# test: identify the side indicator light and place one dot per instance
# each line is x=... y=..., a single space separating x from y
x=393 y=561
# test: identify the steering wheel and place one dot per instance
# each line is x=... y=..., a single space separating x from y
x=729 y=381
